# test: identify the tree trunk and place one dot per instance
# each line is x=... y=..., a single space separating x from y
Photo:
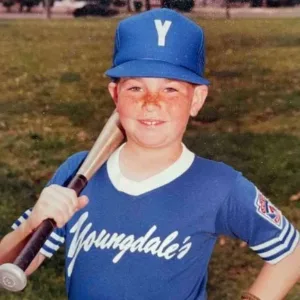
x=148 y=5
x=129 y=6
x=48 y=9
x=227 y=5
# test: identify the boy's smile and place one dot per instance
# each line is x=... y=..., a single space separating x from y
x=151 y=122
x=154 y=111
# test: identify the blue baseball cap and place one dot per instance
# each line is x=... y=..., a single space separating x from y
x=159 y=43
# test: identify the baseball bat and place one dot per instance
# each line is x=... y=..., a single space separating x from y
x=12 y=275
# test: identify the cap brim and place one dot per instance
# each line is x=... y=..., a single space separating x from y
x=153 y=68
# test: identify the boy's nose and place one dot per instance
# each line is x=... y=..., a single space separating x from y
x=150 y=101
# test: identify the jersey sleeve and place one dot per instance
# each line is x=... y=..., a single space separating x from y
x=248 y=215
x=55 y=240
x=63 y=174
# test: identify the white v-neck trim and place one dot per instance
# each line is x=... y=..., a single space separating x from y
x=136 y=188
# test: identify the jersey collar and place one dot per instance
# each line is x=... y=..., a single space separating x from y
x=136 y=188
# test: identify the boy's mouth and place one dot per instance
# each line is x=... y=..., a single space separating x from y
x=151 y=123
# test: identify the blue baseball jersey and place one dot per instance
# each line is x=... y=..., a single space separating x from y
x=153 y=239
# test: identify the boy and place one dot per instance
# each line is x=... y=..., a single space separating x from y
x=146 y=224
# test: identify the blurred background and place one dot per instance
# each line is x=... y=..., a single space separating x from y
x=109 y=8
x=54 y=102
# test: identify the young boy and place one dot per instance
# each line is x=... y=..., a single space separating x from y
x=146 y=224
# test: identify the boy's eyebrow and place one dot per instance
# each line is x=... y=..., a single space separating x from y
x=166 y=80
x=129 y=78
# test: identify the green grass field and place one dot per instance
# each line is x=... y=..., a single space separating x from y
x=53 y=102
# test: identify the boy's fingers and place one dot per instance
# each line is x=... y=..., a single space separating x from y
x=61 y=203
x=60 y=211
x=82 y=201
x=64 y=202
x=70 y=194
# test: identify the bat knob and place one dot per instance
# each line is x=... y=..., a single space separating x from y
x=12 y=278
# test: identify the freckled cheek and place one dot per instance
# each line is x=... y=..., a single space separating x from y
x=179 y=110
x=127 y=107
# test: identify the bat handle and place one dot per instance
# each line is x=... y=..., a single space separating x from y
x=12 y=276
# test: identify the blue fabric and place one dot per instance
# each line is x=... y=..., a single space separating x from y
x=239 y=217
x=181 y=215
x=159 y=43
x=158 y=245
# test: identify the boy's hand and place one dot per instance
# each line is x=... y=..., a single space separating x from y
x=57 y=203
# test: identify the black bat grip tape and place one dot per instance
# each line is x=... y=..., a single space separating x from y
x=41 y=234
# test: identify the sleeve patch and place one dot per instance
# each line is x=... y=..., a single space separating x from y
x=268 y=211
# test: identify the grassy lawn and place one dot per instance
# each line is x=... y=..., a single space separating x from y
x=54 y=101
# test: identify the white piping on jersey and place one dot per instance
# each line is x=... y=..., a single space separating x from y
x=134 y=188
x=273 y=241
x=285 y=254
x=85 y=238
x=21 y=219
x=280 y=247
x=27 y=212
x=57 y=237
x=46 y=253
x=50 y=245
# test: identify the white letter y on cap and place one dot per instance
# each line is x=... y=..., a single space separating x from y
x=162 y=30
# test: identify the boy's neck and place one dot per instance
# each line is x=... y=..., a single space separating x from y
x=138 y=163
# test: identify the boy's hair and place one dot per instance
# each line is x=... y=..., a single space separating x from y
x=115 y=80
x=159 y=43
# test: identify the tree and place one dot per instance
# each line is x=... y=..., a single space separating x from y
x=8 y=4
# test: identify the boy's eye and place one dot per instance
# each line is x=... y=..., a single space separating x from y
x=170 y=90
x=135 y=89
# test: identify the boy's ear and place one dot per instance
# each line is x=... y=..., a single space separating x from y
x=200 y=94
x=113 y=90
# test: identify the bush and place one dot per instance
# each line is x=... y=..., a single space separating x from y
x=8 y=3
x=119 y=3
x=105 y=2
x=182 y=5
x=185 y=5
x=137 y=5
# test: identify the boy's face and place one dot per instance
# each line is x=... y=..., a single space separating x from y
x=154 y=111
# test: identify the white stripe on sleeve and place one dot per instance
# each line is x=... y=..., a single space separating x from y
x=280 y=247
x=21 y=219
x=14 y=226
x=46 y=253
x=279 y=258
x=51 y=245
x=27 y=212
x=56 y=237
x=273 y=241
